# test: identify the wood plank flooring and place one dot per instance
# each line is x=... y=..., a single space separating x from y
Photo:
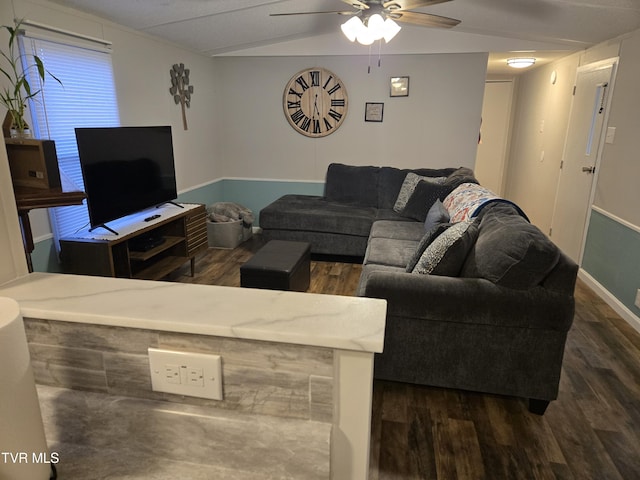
x=591 y=432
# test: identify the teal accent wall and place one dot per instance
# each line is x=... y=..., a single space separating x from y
x=612 y=257
x=257 y=194
x=253 y=194
x=205 y=194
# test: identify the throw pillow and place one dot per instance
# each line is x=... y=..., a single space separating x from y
x=436 y=214
x=423 y=197
x=463 y=202
x=426 y=240
x=408 y=186
x=511 y=252
x=447 y=253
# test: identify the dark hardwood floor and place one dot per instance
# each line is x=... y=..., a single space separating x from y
x=591 y=432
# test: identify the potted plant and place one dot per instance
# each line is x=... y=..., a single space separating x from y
x=18 y=91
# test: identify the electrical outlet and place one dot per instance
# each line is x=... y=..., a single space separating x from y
x=183 y=373
x=638 y=298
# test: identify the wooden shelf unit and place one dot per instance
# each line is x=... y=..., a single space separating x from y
x=185 y=236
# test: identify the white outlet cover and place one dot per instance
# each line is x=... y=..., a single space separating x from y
x=162 y=364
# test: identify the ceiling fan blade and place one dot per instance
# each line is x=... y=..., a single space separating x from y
x=395 y=5
x=424 y=19
x=357 y=4
x=350 y=12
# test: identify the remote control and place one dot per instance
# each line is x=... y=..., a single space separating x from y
x=152 y=217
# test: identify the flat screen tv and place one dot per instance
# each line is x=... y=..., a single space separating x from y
x=125 y=170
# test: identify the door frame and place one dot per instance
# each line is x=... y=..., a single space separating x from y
x=598 y=65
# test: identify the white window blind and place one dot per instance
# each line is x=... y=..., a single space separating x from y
x=86 y=98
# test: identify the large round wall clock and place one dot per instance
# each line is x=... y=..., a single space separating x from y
x=315 y=102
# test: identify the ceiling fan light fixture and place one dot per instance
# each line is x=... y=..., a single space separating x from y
x=521 y=62
x=374 y=28
x=352 y=27
x=375 y=25
x=365 y=37
x=391 y=28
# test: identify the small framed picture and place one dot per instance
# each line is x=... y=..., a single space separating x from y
x=399 y=87
x=373 y=112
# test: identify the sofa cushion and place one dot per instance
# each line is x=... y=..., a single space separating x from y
x=447 y=253
x=397 y=230
x=355 y=185
x=510 y=251
x=316 y=214
x=424 y=195
x=389 y=214
x=387 y=251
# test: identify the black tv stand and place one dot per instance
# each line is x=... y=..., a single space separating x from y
x=102 y=225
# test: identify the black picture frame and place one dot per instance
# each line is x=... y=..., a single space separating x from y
x=399 y=87
x=373 y=111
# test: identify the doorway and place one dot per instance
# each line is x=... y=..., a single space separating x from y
x=581 y=158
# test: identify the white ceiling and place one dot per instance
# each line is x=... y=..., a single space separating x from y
x=551 y=28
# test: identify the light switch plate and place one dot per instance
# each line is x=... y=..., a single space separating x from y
x=610 y=135
x=184 y=373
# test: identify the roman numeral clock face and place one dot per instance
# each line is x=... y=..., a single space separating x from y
x=315 y=102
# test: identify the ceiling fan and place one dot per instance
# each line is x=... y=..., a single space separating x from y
x=375 y=19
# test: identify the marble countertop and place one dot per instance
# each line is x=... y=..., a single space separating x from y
x=347 y=323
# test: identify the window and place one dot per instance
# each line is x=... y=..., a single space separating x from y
x=86 y=98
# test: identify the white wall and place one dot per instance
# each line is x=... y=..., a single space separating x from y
x=236 y=124
x=436 y=126
x=617 y=189
x=537 y=142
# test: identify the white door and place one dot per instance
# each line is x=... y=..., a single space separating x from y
x=582 y=150
x=492 y=149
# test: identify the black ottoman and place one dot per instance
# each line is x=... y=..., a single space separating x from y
x=279 y=265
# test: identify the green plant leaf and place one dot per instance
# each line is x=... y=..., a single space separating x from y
x=40 y=67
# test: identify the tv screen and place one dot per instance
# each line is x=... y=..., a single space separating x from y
x=125 y=170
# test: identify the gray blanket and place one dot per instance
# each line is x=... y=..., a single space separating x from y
x=229 y=212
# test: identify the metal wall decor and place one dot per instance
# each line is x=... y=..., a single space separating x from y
x=180 y=89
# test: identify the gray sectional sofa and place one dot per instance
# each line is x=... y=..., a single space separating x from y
x=477 y=297
x=339 y=222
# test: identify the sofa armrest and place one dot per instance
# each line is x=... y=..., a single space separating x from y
x=469 y=300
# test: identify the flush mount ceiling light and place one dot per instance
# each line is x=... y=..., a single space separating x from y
x=521 y=62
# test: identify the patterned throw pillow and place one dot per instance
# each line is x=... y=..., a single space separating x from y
x=447 y=253
x=408 y=186
x=426 y=240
